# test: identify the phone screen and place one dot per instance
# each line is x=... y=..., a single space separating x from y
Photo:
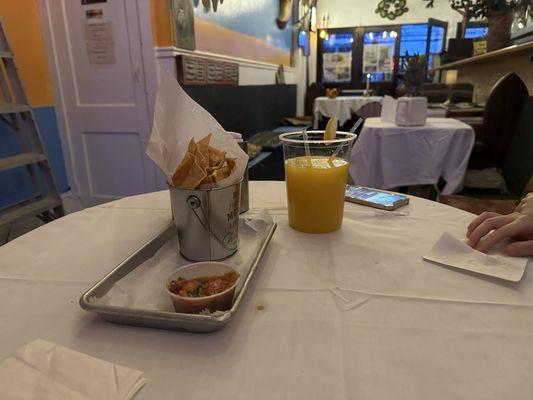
x=374 y=196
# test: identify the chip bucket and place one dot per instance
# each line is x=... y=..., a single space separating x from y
x=207 y=221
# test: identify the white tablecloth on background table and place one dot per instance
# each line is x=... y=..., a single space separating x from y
x=341 y=107
x=355 y=314
x=388 y=156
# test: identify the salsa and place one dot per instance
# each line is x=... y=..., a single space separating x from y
x=203 y=286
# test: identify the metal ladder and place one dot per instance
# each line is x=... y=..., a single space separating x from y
x=15 y=111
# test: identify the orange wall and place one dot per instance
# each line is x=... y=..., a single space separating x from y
x=21 y=22
x=161 y=23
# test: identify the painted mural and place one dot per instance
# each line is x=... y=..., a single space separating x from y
x=243 y=28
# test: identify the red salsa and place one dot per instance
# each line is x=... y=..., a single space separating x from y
x=203 y=286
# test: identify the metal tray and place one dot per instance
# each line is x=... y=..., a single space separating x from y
x=165 y=319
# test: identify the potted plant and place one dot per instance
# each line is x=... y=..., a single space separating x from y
x=414 y=74
x=500 y=16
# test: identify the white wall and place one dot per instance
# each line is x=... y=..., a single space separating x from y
x=344 y=13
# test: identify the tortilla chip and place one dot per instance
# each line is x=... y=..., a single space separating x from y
x=189 y=174
x=222 y=173
x=193 y=147
x=183 y=169
x=215 y=156
x=231 y=163
x=203 y=145
x=208 y=180
x=202 y=164
x=195 y=176
x=202 y=159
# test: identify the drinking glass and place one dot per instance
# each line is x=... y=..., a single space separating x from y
x=316 y=173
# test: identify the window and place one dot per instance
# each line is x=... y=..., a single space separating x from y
x=337 y=58
x=474 y=30
x=378 y=55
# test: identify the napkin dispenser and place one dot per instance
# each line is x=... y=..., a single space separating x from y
x=405 y=111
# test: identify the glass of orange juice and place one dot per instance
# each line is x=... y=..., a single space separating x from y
x=316 y=173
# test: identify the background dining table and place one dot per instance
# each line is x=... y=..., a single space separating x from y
x=343 y=107
x=388 y=156
x=353 y=314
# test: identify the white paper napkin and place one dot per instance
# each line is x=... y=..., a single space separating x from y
x=47 y=371
x=457 y=253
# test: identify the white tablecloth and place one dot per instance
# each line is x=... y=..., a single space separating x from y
x=355 y=314
x=387 y=156
x=341 y=107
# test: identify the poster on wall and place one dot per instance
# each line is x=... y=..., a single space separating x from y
x=385 y=58
x=377 y=58
x=337 y=67
x=370 y=58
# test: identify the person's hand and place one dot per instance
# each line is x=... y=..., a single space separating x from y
x=517 y=225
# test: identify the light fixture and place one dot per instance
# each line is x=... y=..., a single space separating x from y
x=450 y=80
x=313 y=18
x=371 y=36
x=384 y=34
x=322 y=33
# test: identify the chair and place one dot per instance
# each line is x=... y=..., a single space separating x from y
x=502 y=111
x=439 y=92
x=313 y=91
x=517 y=170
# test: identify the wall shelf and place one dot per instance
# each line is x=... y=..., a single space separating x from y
x=492 y=56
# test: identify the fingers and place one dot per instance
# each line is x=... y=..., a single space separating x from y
x=488 y=225
x=506 y=231
x=478 y=220
x=518 y=249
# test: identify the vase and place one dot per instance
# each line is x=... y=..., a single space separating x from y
x=499 y=34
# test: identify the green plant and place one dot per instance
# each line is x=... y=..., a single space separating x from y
x=483 y=8
x=414 y=73
x=486 y=7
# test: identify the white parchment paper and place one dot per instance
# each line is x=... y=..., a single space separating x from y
x=144 y=287
x=178 y=119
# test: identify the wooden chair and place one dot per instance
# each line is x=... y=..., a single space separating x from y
x=517 y=170
x=500 y=118
x=313 y=91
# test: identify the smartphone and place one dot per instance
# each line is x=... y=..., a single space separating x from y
x=375 y=198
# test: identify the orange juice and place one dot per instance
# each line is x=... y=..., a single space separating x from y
x=315 y=192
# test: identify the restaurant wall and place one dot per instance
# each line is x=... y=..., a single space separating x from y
x=21 y=23
x=347 y=13
x=344 y=13
x=223 y=37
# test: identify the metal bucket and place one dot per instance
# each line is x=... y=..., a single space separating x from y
x=245 y=202
x=207 y=221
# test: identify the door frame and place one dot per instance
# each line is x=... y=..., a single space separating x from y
x=148 y=61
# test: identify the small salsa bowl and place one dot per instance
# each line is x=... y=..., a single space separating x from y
x=192 y=305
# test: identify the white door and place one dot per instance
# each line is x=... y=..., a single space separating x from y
x=103 y=104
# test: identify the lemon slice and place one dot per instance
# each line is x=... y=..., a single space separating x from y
x=331 y=129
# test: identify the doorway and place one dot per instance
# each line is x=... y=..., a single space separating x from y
x=95 y=54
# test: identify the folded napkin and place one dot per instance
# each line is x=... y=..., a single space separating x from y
x=457 y=253
x=405 y=111
x=47 y=371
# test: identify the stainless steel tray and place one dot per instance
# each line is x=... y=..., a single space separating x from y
x=166 y=319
